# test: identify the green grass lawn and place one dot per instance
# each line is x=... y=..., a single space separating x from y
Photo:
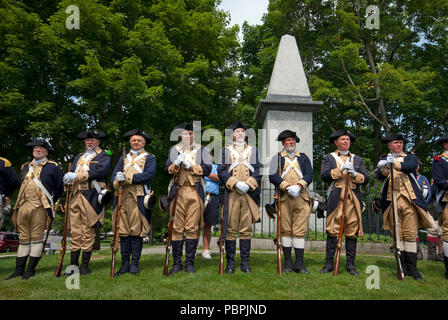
x=264 y=283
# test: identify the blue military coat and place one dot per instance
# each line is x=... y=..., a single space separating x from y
x=203 y=158
x=145 y=179
x=408 y=166
x=98 y=169
x=328 y=164
x=439 y=171
x=9 y=180
x=51 y=178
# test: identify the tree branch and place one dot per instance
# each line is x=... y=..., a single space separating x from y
x=363 y=103
x=431 y=133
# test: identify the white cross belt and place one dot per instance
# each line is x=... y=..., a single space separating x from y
x=136 y=167
x=243 y=156
x=292 y=164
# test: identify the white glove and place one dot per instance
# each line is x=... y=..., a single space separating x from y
x=382 y=163
x=69 y=177
x=346 y=166
x=349 y=166
x=352 y=172
x=120 y=176
x=180 y=159
x=242 y=186
x=66 y=180
x=186 y=163
x=390 y=158
x=294 y=190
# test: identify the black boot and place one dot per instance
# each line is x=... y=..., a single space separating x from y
x=74 y=260
x=287 y=266
x=177 y=256
x=445 y=260
x=31 y=269
x=411 y=261
x=329 y=254
x=190 y=253
x=350 y=249
x=298 y=266
x=230 y=255
x=245 y=255
x=84 y=269
x=125 y=248
x=20 y=268
x=136 y=250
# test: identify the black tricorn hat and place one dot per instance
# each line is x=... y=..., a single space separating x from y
x=443 y=139
x=287 y=134
x=185 y=126
x=41 y=143
x=94 y=133
x=137 y=132
x=237 y=125
x=335 y=135
x=394 y=136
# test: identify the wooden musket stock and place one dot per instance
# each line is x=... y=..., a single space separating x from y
x=115 y=243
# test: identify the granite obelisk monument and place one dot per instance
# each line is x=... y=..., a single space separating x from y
x=288 y=105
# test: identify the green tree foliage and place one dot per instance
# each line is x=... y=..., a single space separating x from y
x=373 y=81
x=147 y=64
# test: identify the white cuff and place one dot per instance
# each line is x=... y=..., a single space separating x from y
x=298 y=243
x=287 y=242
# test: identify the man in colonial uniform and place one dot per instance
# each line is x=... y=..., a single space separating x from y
x=187 y=164
x=291 y=172
x=41 y=187
x=334 y=170
x=240 y=171
x=439 y=172
x=411 y=206
x=87 y=178
x=9 y=182
x=136 y=173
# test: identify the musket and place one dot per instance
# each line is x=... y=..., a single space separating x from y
x=49 y=226
x=58 y=271
x=396 y=232
x=168 y=240
x=221 y=238
x=170 y=233
x=279 y=243
x=341 y=227
x=115 y=243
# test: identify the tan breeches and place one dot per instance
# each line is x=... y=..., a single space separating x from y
x=407 y=219
x=351 y=219
x=444 y=221
x=132 y=222
x=240 y=217
x=82 y=237
x=294 y=217
x=31 y=223
x=189 y=210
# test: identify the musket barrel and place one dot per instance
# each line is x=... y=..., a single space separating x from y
x=64 y=233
